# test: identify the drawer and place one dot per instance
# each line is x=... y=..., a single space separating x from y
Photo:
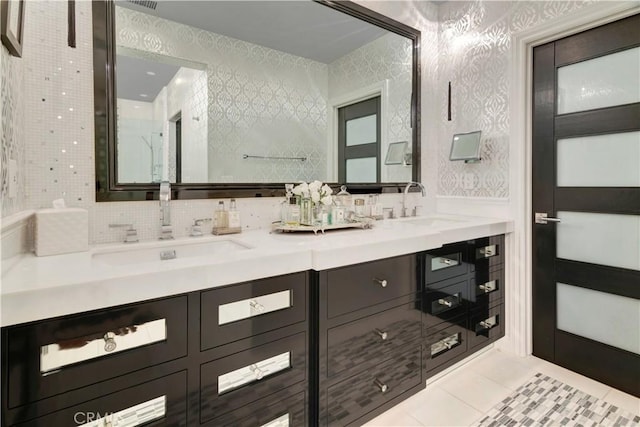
x=487 y=288
x=487 y=252
x=240 y=311
x=355 y=345
x=445 y=343
x=55 y=356
x=446 y=301
x=362 y=285
x=161 y=402
x=287 y=410
x=486 y=326
x=240 y=379
x=446 y=262
x=351 y=399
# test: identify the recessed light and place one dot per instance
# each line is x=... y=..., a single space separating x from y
x=75 y=142
x=143 y=95
x=59 y=117
x=70 y=109
x=151 y=73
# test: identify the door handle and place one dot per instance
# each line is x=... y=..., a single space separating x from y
x=542 y=218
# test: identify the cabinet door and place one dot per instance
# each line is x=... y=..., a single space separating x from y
x=446 y=262
x=285 y=410
x=358 y=286
x=445 y=343
x=54 y=356
x=486 y=325
x=239 y=311
x=353 y=398
x=161 y=402
x=445 y=300
x=353 y=346
x=232 y=382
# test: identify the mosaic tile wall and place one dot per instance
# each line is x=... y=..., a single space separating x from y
x=474 y=54
x=12 y=145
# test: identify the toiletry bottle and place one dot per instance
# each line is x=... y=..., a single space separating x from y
x=221 y=216
x=284 y=206
x=293 y=213
x=234 y=215
x=359 y=207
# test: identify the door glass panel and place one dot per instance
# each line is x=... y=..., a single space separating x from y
x=600 y=316
x=362 y=130
x=362 y=170
x=611 y=160
x=606 y=239
x=251 y=307
x=601 y=82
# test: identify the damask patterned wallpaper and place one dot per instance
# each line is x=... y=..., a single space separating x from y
x=474 y=52
x=387 y=58
x=262 y=102
x=52 y=127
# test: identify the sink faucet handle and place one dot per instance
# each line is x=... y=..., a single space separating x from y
x=131 y=233
x=200 y=221
x=196 y=228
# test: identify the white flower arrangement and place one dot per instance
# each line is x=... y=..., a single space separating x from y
x=316 y=191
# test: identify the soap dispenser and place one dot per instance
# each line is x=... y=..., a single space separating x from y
x=221 y=217
x=234 y=217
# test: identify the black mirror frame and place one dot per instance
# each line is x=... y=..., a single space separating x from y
x=108 y=190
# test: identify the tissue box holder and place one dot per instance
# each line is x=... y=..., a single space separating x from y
x=61 y=231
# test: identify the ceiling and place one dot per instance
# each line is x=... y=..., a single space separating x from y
x=134 y=81
x=302 y=28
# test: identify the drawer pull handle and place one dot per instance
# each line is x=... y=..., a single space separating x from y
x=382 y=386
x=257 y=372
x=487 y=251
x=446 y=261
x=383 y=334
x=256 y=306
x=488 y=287
x=381 y=282
x=110 y=342
x=443 y=301
x=488 y=323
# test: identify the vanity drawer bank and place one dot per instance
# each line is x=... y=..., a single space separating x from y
x=463 y=300
x=232 y=355
x=369 y=339
x=327 y=331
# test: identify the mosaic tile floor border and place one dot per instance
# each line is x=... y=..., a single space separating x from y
x=544 y=401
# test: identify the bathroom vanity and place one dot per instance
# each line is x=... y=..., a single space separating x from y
x=358 y=326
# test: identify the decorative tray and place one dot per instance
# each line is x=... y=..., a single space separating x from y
x=277 y=226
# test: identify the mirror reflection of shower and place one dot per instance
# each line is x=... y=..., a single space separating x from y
x=155 y=151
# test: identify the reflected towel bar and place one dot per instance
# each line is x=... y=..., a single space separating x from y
x=246 y=156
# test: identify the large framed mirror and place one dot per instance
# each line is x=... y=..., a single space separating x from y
x=236 y=98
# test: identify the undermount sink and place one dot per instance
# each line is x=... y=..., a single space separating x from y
x=166 y=251
x=436 y=221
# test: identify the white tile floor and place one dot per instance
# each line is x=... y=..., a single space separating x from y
x=464 y=396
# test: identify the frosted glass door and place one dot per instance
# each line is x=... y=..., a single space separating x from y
x=586 y=203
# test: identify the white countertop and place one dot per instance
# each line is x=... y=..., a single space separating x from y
x=37 y=288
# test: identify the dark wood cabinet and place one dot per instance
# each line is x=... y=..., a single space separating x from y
x=328 y=348
x=369 y=339
x=463 y=303
x=186 y=348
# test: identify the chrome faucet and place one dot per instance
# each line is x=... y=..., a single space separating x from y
x=166 y=232
x=404 y=196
